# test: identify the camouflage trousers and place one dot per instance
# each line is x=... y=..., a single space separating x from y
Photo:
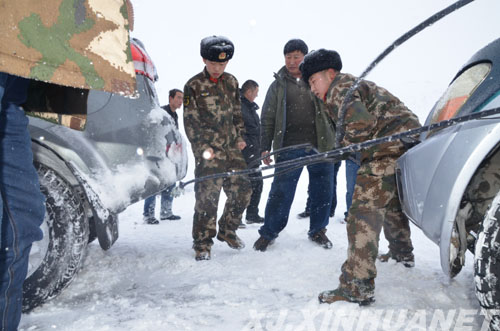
x=238 y=191
x=375 y=205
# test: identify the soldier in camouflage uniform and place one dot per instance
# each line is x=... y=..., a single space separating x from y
x=78 y=43
x=372 y=113
x=214 y=126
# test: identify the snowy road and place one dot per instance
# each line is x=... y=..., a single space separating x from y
x=149 y=280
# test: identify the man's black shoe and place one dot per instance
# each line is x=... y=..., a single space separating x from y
x=151 y=220
x=341 y=295
x=231 y=239
x=171 y=218
x=321 y=239
x=254 y=218
x=202 y=255
x=407 y=260
x=262 y=243
x=304 y=214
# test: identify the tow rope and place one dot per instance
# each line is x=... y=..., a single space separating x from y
x=343 y=153
x=339 y=135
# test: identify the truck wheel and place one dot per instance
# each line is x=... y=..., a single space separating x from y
x=56 y=259
x=487 y=264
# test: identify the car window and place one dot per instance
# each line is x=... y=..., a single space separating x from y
x=459 y=91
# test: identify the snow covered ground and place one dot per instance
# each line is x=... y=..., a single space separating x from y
x=149 y=280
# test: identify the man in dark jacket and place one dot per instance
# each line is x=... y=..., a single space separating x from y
x=291 y=116
x=249 y=91
x=175 y=98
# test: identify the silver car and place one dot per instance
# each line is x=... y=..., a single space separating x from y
x=449 y=183
x=130 y=149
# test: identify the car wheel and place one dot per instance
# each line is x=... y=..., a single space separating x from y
x=56 y=259
x=487 y=264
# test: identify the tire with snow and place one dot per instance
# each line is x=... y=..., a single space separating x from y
x=487 y=264
x=56 y=259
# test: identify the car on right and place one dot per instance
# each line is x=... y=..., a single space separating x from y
x=449 y=183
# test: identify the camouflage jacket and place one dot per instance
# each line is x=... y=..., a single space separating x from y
x=372 y=113
x=78 y=43
x=212 y=114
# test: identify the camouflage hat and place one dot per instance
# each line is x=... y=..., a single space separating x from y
x=319 y=60
x=216 y=48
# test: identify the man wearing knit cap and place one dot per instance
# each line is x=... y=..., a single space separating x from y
x=372 y=113
x=291 y=116
x=214 y=126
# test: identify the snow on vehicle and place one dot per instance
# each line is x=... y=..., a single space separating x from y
x=129 y=150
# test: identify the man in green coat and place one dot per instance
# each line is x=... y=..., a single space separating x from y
x=291 y=116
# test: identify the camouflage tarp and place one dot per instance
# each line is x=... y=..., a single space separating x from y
x=78 y=43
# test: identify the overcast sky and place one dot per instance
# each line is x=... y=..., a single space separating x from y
x=417 y=72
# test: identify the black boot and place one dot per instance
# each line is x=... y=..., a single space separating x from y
x=262 y=243
x=321 y=239
x=151 y=220
x=254 y=218
x=304 y=214
x=408 y=260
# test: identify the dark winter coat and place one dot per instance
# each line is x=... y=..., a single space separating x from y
x=273 y=117
x=252 y=127
x=172 y=113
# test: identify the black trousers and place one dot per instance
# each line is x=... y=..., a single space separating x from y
x=253 y=206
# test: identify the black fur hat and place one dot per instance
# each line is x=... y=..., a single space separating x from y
x=295 y=45
x=216 y=48
x=319 y=60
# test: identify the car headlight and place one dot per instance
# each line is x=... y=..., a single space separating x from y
x=459 y=91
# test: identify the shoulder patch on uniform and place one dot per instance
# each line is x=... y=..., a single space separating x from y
x=186 y=100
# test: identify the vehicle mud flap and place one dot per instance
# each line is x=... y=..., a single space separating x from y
x=107 y=229
x=106 y=222
x=458 y=247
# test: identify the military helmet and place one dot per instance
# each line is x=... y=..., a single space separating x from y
x=216 y=48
